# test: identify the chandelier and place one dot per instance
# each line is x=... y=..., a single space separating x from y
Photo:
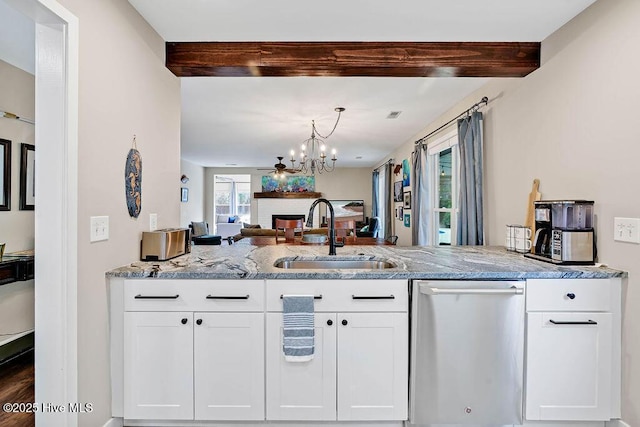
x=313 y=151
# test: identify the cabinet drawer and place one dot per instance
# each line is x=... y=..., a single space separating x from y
x=342 y=295
x=193 y=295
x=569 y=295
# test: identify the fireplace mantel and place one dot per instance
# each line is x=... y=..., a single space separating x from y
x=287 y=195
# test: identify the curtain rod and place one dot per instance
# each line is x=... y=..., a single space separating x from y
x=8 y=115
x=385 y=163
x=471 y=109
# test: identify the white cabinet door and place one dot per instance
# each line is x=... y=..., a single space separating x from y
x=372 y=366
x=568 y=366
x=302 y=390
x=229 y=366
x=158 y=365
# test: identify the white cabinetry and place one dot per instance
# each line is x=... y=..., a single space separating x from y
x=360 y=367
x=194 y=350
x=572 y=343
x=158 y=367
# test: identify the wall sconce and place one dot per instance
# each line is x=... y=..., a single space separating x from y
x=184 y=179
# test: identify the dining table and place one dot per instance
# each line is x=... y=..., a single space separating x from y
x=349 y=240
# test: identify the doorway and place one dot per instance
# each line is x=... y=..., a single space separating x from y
x=56 y=135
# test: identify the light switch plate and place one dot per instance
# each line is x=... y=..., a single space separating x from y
x=153 y=222
x=626 y=230
x=99 y=228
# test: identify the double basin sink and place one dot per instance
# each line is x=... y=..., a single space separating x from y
x=334 y=264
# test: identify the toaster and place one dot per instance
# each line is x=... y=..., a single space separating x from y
x=161 y=245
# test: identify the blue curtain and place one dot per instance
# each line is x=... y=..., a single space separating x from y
x=374 y=195
x=470 y=219
x=388 y=200
x=420 y=199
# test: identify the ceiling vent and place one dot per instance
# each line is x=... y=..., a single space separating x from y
x=394 y=114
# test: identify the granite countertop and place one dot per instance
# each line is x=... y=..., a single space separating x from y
x=243 y=261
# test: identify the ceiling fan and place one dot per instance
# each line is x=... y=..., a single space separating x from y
x=280 y=168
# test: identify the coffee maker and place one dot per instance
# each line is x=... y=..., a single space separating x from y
x=564 y=232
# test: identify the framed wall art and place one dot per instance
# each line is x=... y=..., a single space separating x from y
x=5 y=175
x=184 y=194
x=397 y=191
x=407 y=200
x=27 y=177
x=407 y=220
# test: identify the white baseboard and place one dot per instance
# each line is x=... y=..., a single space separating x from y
x=616 y=423
x=114 y=422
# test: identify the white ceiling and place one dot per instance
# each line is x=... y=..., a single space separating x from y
x=249 y=121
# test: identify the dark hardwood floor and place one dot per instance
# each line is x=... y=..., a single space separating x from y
x=17 y=386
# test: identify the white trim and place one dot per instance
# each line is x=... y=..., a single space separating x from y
x=114 y=422
x=616 y=423
x=442 y=143
x=56 y=135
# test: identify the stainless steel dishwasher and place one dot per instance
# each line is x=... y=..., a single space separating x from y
x=467 y=340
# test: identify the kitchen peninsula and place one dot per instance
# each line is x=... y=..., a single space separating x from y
x=198 y=337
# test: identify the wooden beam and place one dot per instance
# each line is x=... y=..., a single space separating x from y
x=371 y=59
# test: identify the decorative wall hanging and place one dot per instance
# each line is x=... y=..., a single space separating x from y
x=407 y=220
x=289 y=184
x=27 y=177
x=5 y=175
x=397 y=191
x=406 y=173
x=133 y=181
x=407 y=200
x=184 y=194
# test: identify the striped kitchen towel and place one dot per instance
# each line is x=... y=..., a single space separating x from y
x=297 y=322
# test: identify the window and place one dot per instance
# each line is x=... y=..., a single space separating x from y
x=232 y=196
x=445 y=171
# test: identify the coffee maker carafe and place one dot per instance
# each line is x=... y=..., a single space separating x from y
x=564 y=232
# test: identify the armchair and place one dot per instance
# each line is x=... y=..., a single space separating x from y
x=371 y=229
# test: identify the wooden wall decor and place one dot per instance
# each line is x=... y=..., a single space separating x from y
x=373 y=59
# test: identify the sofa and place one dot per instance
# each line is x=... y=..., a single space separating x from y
x=227 y=226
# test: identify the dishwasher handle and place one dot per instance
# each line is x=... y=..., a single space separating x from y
x=430 y=290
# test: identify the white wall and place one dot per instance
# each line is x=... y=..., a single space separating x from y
x=193 y=209
x=124 y=89
x=341 y=184
x=573 y=125
x=18 y=97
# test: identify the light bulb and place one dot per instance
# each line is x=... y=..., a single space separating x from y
x=323 y=147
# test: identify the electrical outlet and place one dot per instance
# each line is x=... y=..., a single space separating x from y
x=153 y=222
x=99 y=228
x=626 y=229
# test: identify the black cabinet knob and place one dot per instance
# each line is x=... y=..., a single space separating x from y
x=199 y=322
x=344 y=322
x=571 y=295
x=184 y=321
x=329 y=322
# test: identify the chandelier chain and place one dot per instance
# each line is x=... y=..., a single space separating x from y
x=332 y=130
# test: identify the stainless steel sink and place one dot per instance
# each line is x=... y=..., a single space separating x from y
x=334 y=264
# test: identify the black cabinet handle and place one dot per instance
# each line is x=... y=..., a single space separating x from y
x=373 y=297
x=560 y=322
x=315 y=297
x=329 y=322
x=199 y=322
x=227 y=296
x=571 y=295
x=184 y=321
x=344 y=322
x=156 y=296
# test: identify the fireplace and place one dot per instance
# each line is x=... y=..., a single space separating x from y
x=284 y=216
